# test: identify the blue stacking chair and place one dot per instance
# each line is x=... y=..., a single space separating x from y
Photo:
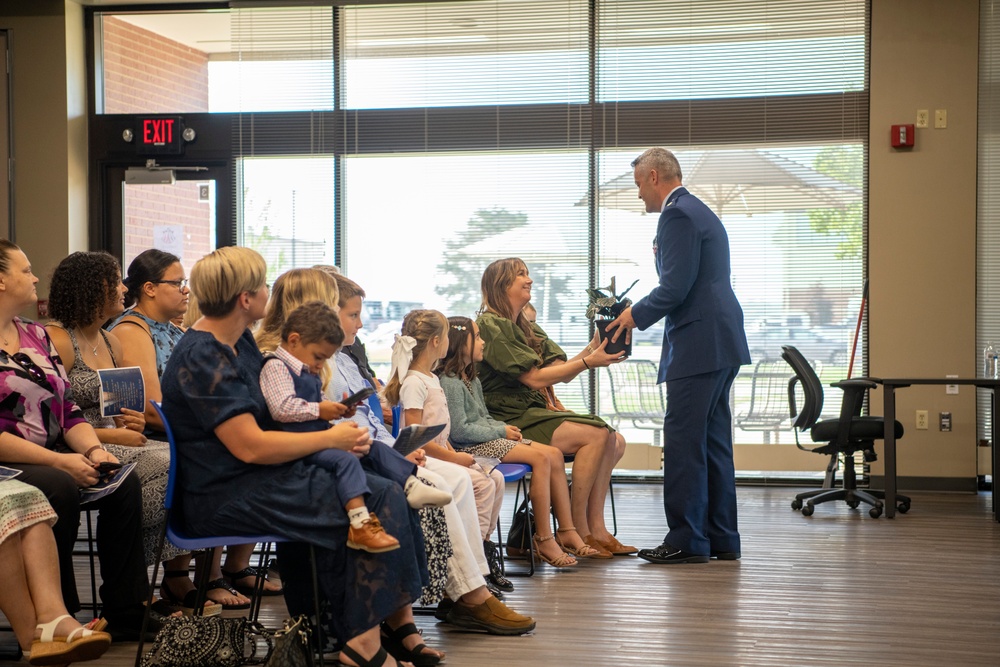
x=175 y=531
x=517 y=472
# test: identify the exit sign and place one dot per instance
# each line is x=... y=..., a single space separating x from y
x=159 y=135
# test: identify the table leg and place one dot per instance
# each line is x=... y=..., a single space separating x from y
x=889 y=416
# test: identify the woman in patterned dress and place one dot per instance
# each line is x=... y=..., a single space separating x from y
x=30 y=597
x=87 y=291
x=44 y=434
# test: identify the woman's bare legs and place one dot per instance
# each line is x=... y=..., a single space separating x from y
x=549 y=492
x=31 y=593
x=598 y=498
x=591 y=468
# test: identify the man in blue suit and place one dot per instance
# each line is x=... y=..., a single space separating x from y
x=703 y=347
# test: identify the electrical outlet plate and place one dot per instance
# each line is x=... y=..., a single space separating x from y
x=940 y=118
x=923 y=117
x=921 y=420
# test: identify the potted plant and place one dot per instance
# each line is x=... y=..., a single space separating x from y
x=603 y=309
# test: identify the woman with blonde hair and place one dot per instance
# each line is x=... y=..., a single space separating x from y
x=255 y=478
x=157 y=294
x=292 y=289
x=519 y=362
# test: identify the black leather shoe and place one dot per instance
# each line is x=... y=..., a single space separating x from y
x=726 y=555
x=668 y=555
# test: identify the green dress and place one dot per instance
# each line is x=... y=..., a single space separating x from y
x=506 y=357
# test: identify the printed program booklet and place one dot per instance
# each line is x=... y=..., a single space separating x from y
x=121 y=388
x=414 y=437
x=8 y=473
x=103 y=488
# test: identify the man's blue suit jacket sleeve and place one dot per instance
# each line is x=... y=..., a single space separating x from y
x=678 y=258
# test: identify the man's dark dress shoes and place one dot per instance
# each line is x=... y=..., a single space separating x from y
x=668 y=555
x=726 y=555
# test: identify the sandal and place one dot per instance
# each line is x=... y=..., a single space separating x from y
x=221 y=584
x=185 y=604
x=376 y=660
x=563 y=560
x=79 y=645
x=586 y=551
x=231 y=577
x=392 y=640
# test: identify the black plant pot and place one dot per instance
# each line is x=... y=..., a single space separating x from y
x=613 y=347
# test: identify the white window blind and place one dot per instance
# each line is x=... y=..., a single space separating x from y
x=988 y=205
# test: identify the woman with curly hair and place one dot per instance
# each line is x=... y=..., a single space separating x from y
x=87 y=291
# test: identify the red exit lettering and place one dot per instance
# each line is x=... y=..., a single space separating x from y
x=158 y=131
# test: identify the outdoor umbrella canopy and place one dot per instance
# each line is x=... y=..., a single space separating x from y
x=741 y=182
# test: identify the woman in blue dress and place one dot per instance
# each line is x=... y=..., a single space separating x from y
x=254 y=478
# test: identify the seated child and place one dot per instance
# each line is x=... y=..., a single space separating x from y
x=413 y=384
x=293 y=390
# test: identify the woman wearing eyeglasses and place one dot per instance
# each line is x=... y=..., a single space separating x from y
x=158 y=293
x=44 y=434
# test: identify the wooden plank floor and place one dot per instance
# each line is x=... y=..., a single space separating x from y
x=837 y=588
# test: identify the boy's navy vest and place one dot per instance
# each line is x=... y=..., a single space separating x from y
x=309 y=387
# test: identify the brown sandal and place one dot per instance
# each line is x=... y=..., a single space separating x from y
x=586 y=551
x=563 y=560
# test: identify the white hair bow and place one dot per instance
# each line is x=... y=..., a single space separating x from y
x=402 y=355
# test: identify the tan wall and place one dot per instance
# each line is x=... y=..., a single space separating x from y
x=50 y=141
x=922 y=223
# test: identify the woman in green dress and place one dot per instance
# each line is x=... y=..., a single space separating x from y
x=519 y=363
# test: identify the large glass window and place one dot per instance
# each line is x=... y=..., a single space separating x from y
x=414 y=142
x=425 y=241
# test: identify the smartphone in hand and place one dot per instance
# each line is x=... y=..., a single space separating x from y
x=106 y=470
x=354 y=399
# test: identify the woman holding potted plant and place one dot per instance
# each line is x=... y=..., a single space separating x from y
x=519 y=362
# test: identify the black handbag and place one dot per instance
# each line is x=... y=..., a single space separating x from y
x=519 y=537
x=292 y=645
x=208 y=641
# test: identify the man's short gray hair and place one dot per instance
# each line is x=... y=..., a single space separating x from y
x=661 y=161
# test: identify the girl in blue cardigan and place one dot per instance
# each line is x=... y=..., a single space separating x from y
x=475 y=432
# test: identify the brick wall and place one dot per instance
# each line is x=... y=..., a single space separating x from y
x=145 y=73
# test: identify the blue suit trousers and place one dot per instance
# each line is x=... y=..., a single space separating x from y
x=699 y=478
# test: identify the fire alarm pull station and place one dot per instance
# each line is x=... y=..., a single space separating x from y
x=902 y=136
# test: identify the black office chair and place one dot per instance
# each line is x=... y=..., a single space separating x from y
x=846 y=435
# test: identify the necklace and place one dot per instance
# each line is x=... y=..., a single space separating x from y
x=6 y=342
x=92 y=347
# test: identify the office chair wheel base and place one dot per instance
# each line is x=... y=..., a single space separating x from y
x=903 y=508
x=797 y=504
x=808 y=509
x=875 y=512
x=853 y=504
